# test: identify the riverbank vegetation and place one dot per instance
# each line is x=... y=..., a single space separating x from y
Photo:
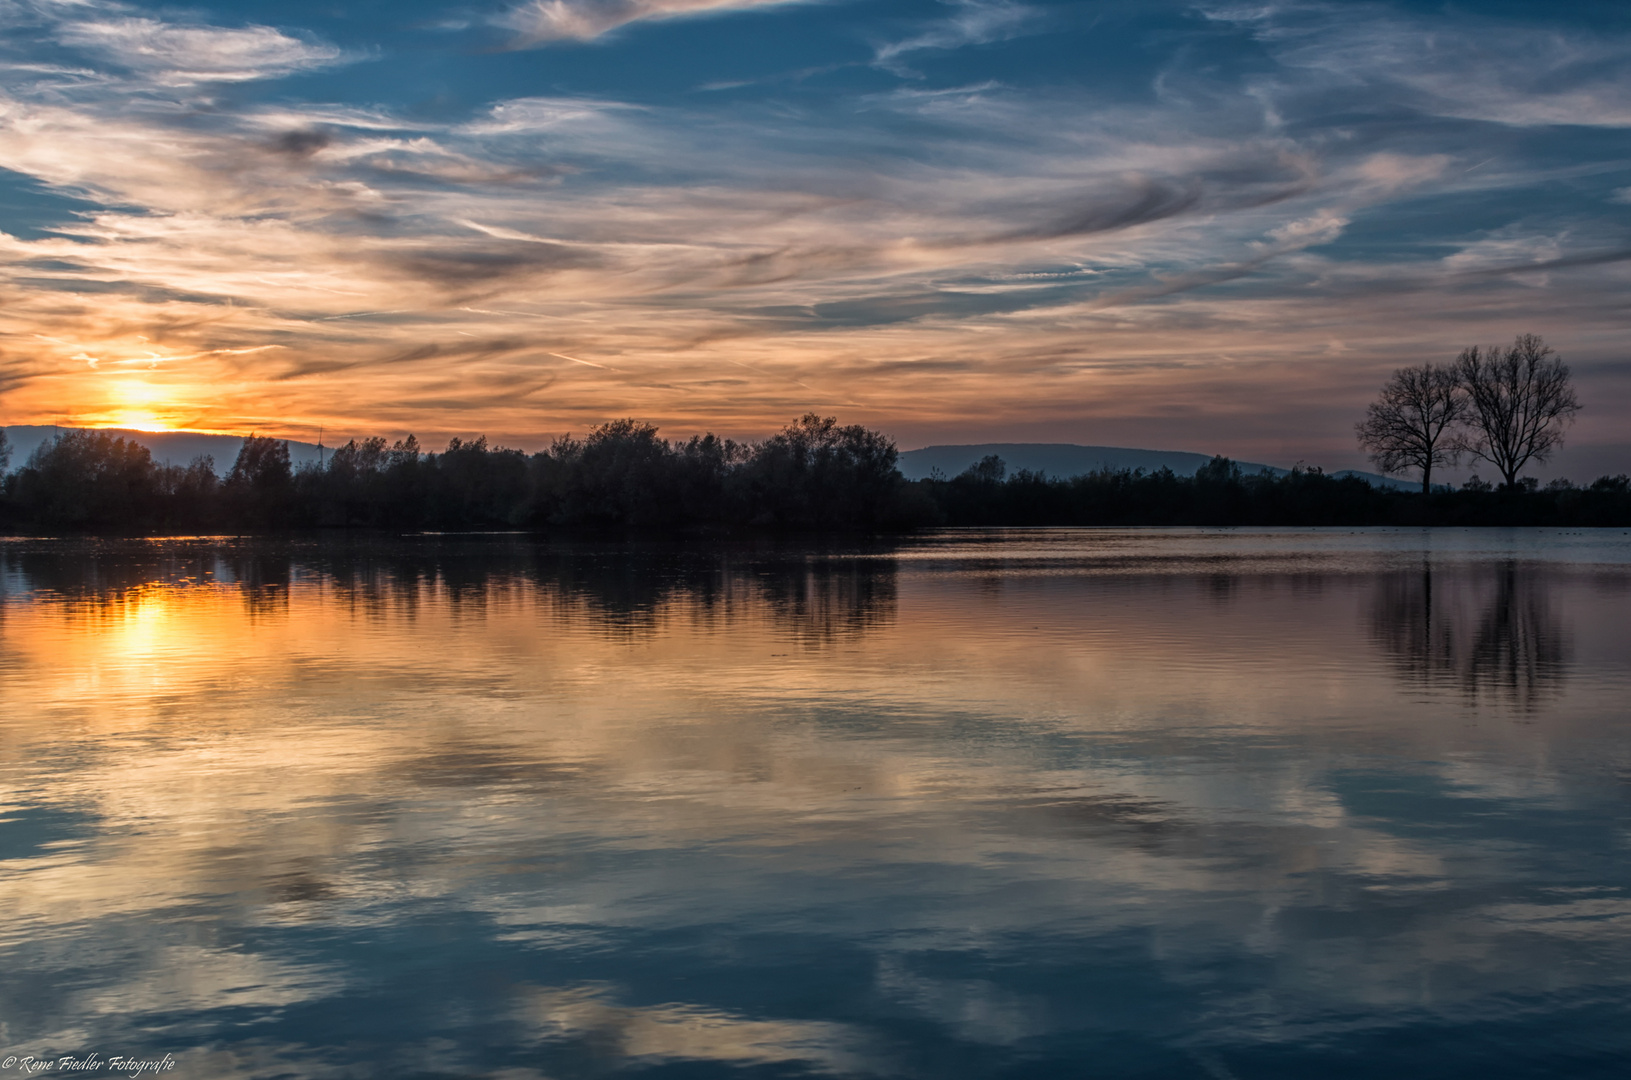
x=1221 y=494
x=814 y=475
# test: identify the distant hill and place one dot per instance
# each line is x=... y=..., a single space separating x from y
x=1068 y=459
x=1055 y=459
x=168 y=447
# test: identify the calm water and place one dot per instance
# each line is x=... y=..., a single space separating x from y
x=1208 y=804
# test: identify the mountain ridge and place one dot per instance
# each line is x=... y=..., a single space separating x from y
x=1054 y=459
x=167 y=447
x=1073 y=459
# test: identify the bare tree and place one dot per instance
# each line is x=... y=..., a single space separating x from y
x=1518 y=401
x=1409 y=425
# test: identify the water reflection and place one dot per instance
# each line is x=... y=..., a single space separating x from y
x=821 y=593
x=1493 y=634
x=967 y=806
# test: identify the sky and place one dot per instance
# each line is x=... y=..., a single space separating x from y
x=1207 y=226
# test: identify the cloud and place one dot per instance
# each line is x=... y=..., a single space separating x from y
x=1446 y=65
x=174 y=55
x=456 y=267
x=693 y=279
x=1320 y=228
x=565 y=118
x=302 y=142
x=1393 y=172
x=1508 y=249
x=540 y=22
x=976 y=22
x=1141 y=200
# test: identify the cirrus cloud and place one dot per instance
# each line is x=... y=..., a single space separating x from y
x=538 y=22
x=175 y=55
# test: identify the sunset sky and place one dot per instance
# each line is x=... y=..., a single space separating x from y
x=1189 y=226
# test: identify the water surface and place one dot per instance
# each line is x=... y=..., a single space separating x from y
x=1207 y=803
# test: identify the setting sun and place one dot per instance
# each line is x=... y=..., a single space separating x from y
x=139 y=421
x=138 y=405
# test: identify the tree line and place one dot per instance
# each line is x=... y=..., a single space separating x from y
x=814 y=474
x=1221 y=493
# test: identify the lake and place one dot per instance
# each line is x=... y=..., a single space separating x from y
x=1220 y=804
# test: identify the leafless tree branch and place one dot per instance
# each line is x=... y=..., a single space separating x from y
x=1519 y=400
x=1409 y=425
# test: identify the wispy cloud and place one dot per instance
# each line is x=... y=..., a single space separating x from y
x=539 y=22
x=1454 y=65
x=179 y=54
x=972 y=22
x=1321 y=227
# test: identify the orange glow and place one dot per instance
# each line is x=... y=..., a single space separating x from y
x=138 y=405
x=140 y=421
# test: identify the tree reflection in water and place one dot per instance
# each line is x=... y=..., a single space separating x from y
x=818 y=593
x=1489 y=636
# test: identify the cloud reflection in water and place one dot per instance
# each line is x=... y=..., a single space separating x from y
x=968 y=805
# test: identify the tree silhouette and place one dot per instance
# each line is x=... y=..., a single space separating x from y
x=1518 y=401
x=478 y=487
x=88 y=480
x=1410 y=426
x=815 y=474
x=990 y=469
x=261 y=463
x=260 y=487
x=623 y=473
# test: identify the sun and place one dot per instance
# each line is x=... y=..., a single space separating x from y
x=139 y=420
x=138 y=405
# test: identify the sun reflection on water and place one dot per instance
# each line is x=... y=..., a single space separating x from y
x=638 y=807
